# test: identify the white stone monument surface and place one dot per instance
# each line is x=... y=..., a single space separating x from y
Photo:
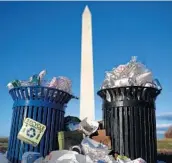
x=87 y=103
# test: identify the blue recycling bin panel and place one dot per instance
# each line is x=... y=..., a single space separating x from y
x=43 y=104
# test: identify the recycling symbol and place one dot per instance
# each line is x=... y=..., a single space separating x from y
x=31 y=132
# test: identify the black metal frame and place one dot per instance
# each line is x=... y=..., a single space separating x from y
x=129 y=118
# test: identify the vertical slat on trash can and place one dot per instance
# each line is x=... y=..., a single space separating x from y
x=126 y=139
x=15 y=134
x=133 y=121
x=52 y=118
x=154 y=134
x=121 y=140
x=11 y=131
x=117 y=130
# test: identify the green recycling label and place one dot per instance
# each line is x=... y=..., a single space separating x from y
x=31 y=132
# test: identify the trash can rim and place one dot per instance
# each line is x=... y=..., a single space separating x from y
x=151 y=88
x=72 y=96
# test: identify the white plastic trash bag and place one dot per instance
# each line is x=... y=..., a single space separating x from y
x=144 y=78
x=65 y=156
x=139 y=160
x=131 y=74
x=40 y=160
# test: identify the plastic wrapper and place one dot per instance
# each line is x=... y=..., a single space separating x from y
x=42 y=74
x=139 y=160
x=124 y=159
x=61 y=83
x=71 y=123
x=30 y=157
x=10 y=86
x=123 y=82
x=72 y=126
x=117 y=71
x=106 y=84
x=144 y=78
x=96 y=151
x=53 y=83
x=65 y=156
x=64 y=84
x=89 y=126
x=39 y=160
x=13 y=84
x=34 y=80
x=25 y=83
x=131 y=74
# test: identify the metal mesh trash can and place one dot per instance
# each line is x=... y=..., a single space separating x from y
x=43 y=104
x=129 y=118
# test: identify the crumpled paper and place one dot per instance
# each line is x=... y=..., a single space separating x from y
x=131 y=74
x=65 y=156
x=88 y=126
x=96 y=151
x=61 y=83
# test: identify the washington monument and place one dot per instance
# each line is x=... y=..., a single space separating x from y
x=87 y=105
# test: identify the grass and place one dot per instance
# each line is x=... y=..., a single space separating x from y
x=164 y=145
x=3 y=144
x=3 y=140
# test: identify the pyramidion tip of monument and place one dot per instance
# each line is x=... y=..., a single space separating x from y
x=86 y=10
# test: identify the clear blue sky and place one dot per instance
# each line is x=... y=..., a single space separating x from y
x=47 y=35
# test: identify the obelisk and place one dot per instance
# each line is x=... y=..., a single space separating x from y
x=87 y=104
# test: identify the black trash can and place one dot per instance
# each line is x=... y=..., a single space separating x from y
x=43 y=104
x=129 y=118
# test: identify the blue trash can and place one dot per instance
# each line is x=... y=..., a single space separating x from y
x=43 y=104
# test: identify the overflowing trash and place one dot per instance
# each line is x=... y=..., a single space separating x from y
x=96 y=151
x=82 y=141
x=131 y=74
x=65 y=156
x=61 y=82
x=88 y=126
x=77 y=147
